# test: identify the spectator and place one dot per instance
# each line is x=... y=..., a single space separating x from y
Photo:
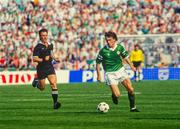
x=78 y=26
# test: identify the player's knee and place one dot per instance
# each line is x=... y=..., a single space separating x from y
x=117 y=94
x=131 y=90
x=41 y=86
x=53 y=85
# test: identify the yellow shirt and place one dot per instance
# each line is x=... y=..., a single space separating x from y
x=137 y=56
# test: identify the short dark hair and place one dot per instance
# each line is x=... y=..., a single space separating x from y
x=43 y=30
x=136 y=45
x=111 y=34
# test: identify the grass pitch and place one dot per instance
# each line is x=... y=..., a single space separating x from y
x=24 y=107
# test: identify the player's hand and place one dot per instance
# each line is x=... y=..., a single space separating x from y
x=47 y=58
x=57 y=60
x=99 y=79
x=133 y=68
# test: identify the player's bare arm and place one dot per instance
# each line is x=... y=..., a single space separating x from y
x=98 y=72
x=37 y=59
x=130 y=64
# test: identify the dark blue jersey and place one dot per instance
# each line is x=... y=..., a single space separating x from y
x=42 y=51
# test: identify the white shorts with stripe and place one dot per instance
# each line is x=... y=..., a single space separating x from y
x=113 y=78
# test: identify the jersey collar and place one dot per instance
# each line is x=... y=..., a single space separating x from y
x=112 y=49
x=43 y=43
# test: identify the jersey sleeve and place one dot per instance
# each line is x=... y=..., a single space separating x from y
x=124 y=53
x=99 y=58
x=36 y=51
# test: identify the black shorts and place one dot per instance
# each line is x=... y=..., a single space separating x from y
x=42 y=74
x=136 y=63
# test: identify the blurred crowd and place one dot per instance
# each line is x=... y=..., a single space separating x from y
x=76 y=29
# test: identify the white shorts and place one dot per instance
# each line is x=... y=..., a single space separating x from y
x=113 y=78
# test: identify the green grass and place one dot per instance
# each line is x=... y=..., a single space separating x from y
x=24 y=107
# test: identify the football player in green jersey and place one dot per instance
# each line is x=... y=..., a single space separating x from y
x=110 y=57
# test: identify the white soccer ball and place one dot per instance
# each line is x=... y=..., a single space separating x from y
x=103 y=107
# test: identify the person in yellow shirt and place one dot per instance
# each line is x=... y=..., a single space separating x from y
x=137 y=58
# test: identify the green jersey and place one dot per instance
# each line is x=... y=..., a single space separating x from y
x=111 y=58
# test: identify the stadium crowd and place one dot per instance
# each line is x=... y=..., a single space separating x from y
x=76 y=28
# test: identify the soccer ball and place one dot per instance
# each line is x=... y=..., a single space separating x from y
x=103 y=107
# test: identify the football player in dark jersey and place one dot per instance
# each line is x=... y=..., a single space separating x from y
x=42 y=55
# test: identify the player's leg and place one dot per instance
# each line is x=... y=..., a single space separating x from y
x=42 y=84
x=139 y=71
x=136 y=75
x=115 y=93
x=131 y=96
x=135 y=72
x=113 y=84
x=35 y=82
x=53 y=82
x=39 y=82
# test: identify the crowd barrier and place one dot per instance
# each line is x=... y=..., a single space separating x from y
x=66 y=76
